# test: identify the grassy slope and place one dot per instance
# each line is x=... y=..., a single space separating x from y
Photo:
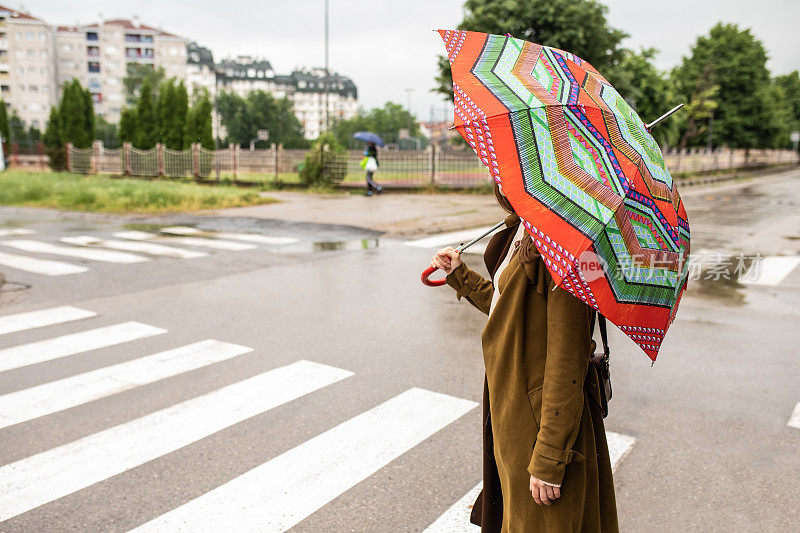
x=101 y=193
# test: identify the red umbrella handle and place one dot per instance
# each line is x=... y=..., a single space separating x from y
x=432 y=282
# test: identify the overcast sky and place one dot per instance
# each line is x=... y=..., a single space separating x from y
x=387 y=46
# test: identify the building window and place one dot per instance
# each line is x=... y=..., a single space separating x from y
x=66 y=47
x=92 y=36
x=31 y=53
x=147 y=38
x=18 y=35
x=43 y=71
x=35 y=123
x=21 y=71
x=22 y=88
x=94 y=66
x=33 y=88
x=97 y=98
x=93 y=51
x=31 y=71
x=44 y=89
x=29 y=36
x=20 y=54
x=42 y=36
x=43 y=54
x=34 y=107
x=111 y=50
x=5 y=89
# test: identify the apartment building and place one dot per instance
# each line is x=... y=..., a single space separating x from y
x=99 y=55
x=36 y=59
x=27 y=78
x=306 y=88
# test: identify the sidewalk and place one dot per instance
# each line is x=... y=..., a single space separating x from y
x=412 y=215
x=405 y=215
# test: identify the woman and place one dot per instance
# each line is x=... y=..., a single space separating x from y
x=546 y=463
x=371 y=153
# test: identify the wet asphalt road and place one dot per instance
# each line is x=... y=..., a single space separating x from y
x=712 y=449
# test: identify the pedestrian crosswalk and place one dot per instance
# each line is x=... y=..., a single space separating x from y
x=275 y=495
x=126 y=247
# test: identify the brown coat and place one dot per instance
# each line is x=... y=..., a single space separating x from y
x=541 y=412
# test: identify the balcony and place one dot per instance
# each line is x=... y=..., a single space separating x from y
x=146 y=54
x=92 y=36
x=94 y=67
x=93 y=51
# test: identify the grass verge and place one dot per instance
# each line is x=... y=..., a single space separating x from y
x=105 y=194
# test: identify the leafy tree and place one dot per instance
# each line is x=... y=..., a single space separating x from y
x=76 y=112
x=648 y=91
x=578 y=26
x=735 y=61
x=136 y=74
x=146 y=132
x=386 y=121
x=106 y=132
x=243 y=117
x=127 y=125
x=165 y=101
x=173 y=137
x=16 y=129
x=54 y=142
x=198 y=123
x=790 y=84
x=325 y=163
x=4 y=121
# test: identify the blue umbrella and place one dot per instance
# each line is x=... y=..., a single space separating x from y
x=369 y=137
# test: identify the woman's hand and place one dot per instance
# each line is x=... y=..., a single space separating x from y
x=543 y=493
x=446 y=259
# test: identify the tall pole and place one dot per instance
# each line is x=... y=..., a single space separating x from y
x=327 y=124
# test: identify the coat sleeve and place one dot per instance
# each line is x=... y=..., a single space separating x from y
x=472 y=286
x=568 y=345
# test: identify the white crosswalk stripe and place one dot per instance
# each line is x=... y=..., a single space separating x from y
x=770 y=271
x=133 y=246
x=47 y=476
x=45 y=267
x=794 y=420
x=443 y=239
x=280 y=493
x=105 y=256
x=55 y=396
x=186 y=241
x=249 y=237
x=8 y=232
x=41 y=318
x=456 y=518
x=74 y=343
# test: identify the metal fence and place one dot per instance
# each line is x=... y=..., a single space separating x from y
x=453 y=167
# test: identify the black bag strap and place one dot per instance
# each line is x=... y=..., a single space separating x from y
x=603 y=331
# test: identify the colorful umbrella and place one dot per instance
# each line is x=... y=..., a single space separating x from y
x=582 y=171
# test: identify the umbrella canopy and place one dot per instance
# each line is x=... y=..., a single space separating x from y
x=369 y=137
x=583 y=172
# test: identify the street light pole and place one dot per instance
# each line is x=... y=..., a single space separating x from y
x=327 y=124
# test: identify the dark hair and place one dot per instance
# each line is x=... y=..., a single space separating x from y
x=527 y=250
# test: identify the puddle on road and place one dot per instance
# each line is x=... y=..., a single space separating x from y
x=721 y=288
x=301 y=247
x=328 y=246
x=717 y=277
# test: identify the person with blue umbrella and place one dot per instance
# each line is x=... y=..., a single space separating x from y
x=370 y=160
